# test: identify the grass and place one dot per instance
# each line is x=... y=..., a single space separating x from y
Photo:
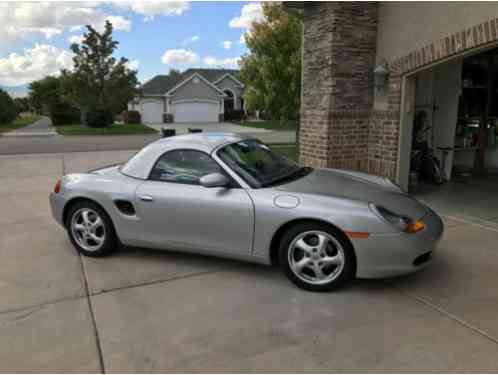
x=114 y=129
x=271 y=124
x=287 y=150
x=21 y=122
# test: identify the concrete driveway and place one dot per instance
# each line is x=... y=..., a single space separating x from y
x=149 y=311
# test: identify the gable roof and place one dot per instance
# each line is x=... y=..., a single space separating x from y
x=161 y=84
x=230 y=76
x=181 y=83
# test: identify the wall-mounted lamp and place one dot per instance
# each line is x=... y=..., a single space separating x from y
x=381 y=75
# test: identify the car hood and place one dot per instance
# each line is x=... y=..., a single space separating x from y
x=359 y=187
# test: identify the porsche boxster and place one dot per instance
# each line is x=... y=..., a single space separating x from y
x=232 y=196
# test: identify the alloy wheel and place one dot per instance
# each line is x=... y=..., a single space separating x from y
x=316 y=257
x=87 y=229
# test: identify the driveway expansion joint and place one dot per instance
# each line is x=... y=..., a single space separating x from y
x=92 y=315
x=448 y=315
x=42 y=304
x=159 y=281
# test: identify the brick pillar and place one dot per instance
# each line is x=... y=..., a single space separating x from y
x=339 y=46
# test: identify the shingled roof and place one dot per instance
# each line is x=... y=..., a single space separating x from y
x=161 y=84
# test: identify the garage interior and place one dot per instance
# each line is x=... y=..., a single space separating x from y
x=457 y=103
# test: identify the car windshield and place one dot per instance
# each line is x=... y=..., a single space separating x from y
x=258 y=165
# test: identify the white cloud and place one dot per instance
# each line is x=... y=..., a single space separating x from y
x=133 y=64
x=119 y=23
x=17 y=20
x=179 y=57
x=250 y=13
x=152 y=8
x=231 y=62
x=192 y=39
x=35 y=63
x=78 y=39
x=75 y=28
x=227 y=44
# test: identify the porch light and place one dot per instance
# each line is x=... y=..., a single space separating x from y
x=381 y=74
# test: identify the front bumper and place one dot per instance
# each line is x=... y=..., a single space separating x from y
x=397 y=254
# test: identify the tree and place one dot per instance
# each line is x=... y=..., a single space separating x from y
x=22 y=104
x=174 y=72
x=46 y=96
x=8 y=111
x=45 y=93
x=99 y=82
x=272 y=69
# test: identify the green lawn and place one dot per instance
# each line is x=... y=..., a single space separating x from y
x=271 y=124
x=288 y=150
x=19 y=123
x=114 y=129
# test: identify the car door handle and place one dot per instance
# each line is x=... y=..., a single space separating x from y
x=145 y=198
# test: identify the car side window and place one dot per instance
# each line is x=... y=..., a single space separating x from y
x=183 y=166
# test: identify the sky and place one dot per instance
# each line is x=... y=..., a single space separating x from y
x=154 y=35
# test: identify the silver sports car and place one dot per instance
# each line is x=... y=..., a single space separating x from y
x=231 y=196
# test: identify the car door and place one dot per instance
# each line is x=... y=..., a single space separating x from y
x=176 y=211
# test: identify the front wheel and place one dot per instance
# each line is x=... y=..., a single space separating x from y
x=317 y=257
x=90 y=229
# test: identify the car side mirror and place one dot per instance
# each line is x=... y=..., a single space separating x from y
x=214 y=180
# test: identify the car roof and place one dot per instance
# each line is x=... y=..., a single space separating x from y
x=206 y=142
x=140 y=165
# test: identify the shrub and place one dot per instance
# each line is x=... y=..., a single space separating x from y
x=8 y=111
x=132 y=117
x=234 y=114
x=265 y=115
x=99 y=118
x=64 y=114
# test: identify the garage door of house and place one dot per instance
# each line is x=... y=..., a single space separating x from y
x=196 y=112
x=152 y=112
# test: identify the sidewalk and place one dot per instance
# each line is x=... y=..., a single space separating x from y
x=41 y=128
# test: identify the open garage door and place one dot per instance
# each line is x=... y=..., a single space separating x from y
x=152 y=112
x=195 y=112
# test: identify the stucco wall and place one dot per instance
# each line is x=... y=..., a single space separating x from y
x=200 y=90
x=406 y=26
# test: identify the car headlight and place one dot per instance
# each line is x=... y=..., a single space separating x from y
x=403 y=223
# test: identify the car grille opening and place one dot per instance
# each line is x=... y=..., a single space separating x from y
x=421 y=259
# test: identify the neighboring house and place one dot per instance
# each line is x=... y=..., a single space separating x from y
x=368 y=67
x=196 y=95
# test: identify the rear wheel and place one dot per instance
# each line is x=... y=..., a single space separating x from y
x=90 y=229
x=317 y=257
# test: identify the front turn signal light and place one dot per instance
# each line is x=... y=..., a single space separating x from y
x=415 y=227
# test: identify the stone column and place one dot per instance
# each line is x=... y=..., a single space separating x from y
x=339 y=46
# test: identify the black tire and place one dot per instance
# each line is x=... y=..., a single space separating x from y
x=344 y=276
x=110 y=242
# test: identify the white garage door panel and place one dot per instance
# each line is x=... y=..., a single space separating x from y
x=152 y=112
x=195 y=112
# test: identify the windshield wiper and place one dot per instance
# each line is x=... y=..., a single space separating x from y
x=289 y=177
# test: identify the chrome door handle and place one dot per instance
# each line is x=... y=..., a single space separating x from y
x=145 y=198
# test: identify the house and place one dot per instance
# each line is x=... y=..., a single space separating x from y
x=370 y=67
x=196 y=95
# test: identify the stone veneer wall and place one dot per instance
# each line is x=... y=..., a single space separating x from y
x=338 y=62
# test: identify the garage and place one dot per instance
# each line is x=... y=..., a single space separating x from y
x=152 y=112
x=195 y=111
x=449 y=153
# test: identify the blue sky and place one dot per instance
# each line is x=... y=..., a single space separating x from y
x=154 y=35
